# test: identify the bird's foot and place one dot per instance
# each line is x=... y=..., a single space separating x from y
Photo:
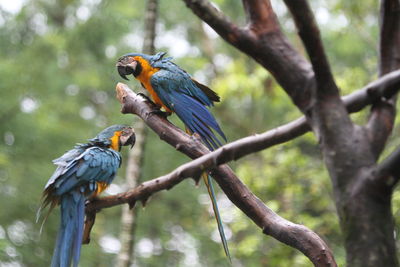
x=144 y=96
x=160 y=113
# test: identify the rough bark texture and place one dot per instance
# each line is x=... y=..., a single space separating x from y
x=350 y=152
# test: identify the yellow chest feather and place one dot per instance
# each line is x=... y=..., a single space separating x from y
x=145 y=76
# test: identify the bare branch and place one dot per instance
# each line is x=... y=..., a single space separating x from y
x=389 y=169
x=212 y=16
x=264 y=41
x=297 y=236
x=260 y=16
x=383 y=112
x=385 y=86
x=310 y=35
x=90 y=218
x=389 y=48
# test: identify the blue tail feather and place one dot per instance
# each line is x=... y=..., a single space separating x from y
x=211 y=192
x=207 y=132
x=69 y=239
x=198 y=119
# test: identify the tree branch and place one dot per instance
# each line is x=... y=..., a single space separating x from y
x=212 y=16
x=264 y=41
x=260 y=16
x=310 y=35
x=386 y=86
x=389 y=169
x=389 y=49
x=383 y=112
x=383 y=87
x=294 y=235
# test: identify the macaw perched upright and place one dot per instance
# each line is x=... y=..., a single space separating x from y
x=173 y=89
x=82 y=173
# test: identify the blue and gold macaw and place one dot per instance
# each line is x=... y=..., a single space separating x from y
x=82 y=173
x=173 y=89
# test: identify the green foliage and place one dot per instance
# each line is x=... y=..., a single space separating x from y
x=57 y=88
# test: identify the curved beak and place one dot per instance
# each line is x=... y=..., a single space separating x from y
x=128 y=137
x=126 y=66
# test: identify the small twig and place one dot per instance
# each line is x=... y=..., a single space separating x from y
x=89 y=222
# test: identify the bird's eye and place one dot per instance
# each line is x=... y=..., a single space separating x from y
x=126 y=131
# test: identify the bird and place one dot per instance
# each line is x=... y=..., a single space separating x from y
x=82 y=173
x=174 y=90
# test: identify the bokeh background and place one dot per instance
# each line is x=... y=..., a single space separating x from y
x=57 y=80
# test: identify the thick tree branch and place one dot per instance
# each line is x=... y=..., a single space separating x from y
x=260 y=16
x=364 y=209
x=383 y=112
x=389 y=48
x=328 y=115
x=297 y=236
x=310 y=35
x=383 y=87
x=213 y=16
x=265 y=43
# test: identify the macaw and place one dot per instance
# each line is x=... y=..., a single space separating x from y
x=175 y=90
x=82 y=173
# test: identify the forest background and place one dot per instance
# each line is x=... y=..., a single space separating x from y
x=57 y=80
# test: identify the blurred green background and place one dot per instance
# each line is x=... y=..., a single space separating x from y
x=57 y=80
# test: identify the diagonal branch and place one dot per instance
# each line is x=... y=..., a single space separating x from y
x=389 y=49
x=260 y=16
x=385 y=86
x=383 y=112
x=264 y=41
x=389 y=169
x=227 y=29
x=310 y=35
x=297 y=236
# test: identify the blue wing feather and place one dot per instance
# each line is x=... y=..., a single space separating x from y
x=75 y=178
x=179 y=93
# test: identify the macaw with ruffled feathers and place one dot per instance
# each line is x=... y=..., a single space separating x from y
x=82 y=173
x=176 y=91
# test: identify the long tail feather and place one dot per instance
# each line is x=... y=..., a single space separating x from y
x=210 y=188
x=69 y=239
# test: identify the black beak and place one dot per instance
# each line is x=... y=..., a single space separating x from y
x=125 y=69
x=128 y=137
x=132 y=140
